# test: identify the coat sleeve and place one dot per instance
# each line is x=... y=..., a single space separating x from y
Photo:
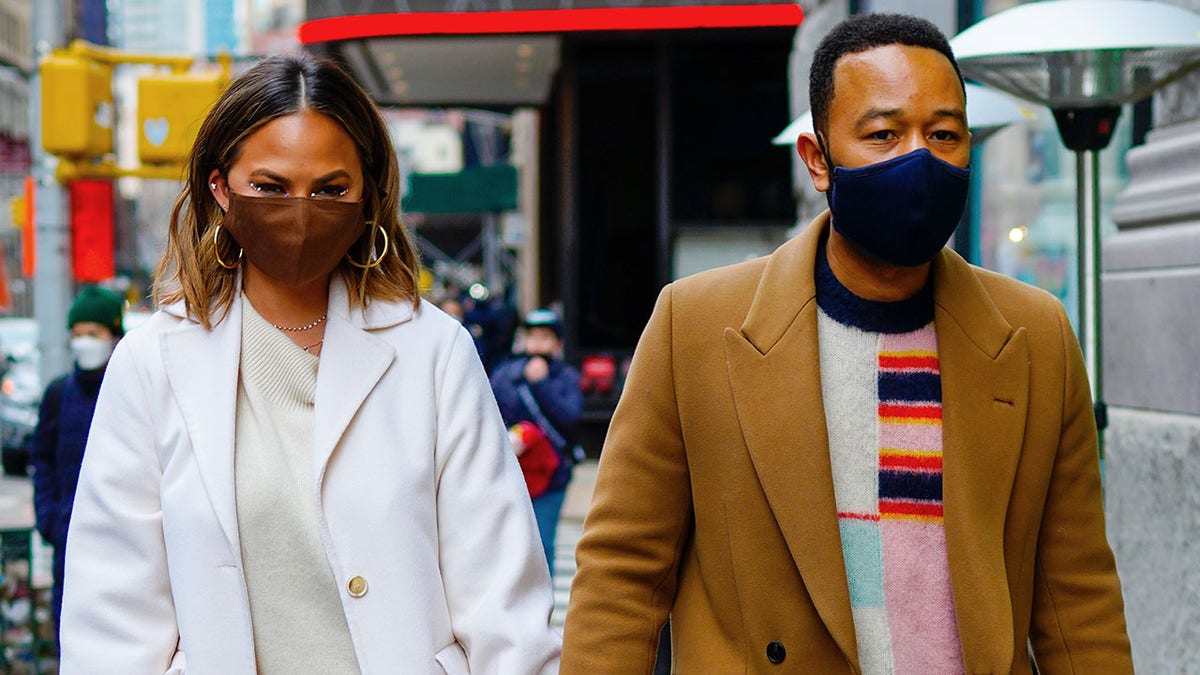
x=1078 y=623
x=118 y=615
x=493 y=569
x=43 y=453
x=635 y=532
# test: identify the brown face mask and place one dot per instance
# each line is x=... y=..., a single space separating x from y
x=294 y=240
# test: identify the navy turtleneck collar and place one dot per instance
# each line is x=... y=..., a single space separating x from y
x=848 y=309
x=90 y=379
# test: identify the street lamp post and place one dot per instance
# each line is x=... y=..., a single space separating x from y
x=52 y=239
x=1084 y=59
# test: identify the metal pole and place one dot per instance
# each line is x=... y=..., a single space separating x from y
x=1087 y=167
x=662 y=153
x=52 y=288
x=491 y=253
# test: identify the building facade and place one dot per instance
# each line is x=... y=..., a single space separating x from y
x=16 y=66
x=1151 y=284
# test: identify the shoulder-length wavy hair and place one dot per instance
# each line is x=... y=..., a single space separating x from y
x=274 y=87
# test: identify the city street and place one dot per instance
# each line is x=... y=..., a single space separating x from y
x=590 y=160
x=17 y=518
x=25 y=575
x=16 y=503
x=570 y=526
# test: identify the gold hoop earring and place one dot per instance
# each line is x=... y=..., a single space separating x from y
x=375 y=259
x=217 y=252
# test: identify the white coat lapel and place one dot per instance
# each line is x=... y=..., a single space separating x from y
x=202 y=368
x=352 y=362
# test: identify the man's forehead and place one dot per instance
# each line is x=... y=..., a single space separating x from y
x=891 y=60
x=890 y=76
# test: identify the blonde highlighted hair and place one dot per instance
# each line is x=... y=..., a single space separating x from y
x=190 y=270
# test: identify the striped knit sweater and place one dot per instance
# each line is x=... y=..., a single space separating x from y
x=881 y=387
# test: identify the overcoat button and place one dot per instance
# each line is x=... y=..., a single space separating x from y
x=776 y=652
x=357 y=587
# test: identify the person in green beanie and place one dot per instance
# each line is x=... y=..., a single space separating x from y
x=65 y=415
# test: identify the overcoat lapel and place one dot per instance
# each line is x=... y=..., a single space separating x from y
x=352 y=363
x=774 y=373
x=202 y=368
x=985 y=400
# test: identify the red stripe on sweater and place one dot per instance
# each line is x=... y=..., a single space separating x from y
x=911 y=462
x=895 y=507
x=922 y=412
x=908 y=362
x=858 y=516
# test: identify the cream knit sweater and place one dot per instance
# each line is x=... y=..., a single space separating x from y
x=295 y=607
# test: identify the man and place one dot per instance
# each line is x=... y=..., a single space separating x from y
x=538 y=386
x=859 y=454
x=65 y=416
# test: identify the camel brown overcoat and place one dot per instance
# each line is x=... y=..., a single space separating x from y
x=714 y=501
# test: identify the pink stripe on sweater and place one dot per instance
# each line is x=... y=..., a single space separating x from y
x=897 y=436
x=919 y=602
x=924 y=339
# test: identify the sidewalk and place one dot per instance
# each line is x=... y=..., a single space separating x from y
x=570 y=526
x=579 y=490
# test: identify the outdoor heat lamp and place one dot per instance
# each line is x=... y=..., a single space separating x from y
x=1086 y=57
x=1083 y=59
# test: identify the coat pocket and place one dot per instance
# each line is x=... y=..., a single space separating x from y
x=453 y=660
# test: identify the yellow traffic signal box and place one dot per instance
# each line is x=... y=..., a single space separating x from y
x=77 y=106
x=171 y=107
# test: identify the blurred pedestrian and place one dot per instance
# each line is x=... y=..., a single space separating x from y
x=859 y=454
x=64 y=417
x=297 y=465
x=538 y=386
x=492 y=321
x=451 y=306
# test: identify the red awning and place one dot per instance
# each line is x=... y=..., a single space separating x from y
x=498 y=58
x=360 y=26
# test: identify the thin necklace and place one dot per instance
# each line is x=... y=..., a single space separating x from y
x=314 y=324
x=315 y=344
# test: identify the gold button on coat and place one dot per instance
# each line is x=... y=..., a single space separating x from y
x=357 y=587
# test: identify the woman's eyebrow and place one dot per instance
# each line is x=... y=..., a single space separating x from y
x=332 y=175
x=269 y=175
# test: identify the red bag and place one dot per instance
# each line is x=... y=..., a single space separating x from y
x=535 y=454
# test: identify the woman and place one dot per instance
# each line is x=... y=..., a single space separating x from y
x=296 y=465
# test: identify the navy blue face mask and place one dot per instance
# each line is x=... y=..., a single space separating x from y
x=901 y=210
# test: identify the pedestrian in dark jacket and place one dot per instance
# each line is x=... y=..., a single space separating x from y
x=537 y=386
x=65 y=416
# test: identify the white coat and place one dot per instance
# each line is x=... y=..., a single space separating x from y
x=416 y=487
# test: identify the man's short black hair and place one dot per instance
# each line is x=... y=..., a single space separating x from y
x=860 y=33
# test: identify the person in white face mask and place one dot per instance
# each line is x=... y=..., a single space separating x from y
x=65 y=416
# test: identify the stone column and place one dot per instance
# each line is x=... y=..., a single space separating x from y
x=1152 y=381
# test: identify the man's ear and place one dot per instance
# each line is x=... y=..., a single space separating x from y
x=818 y=169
